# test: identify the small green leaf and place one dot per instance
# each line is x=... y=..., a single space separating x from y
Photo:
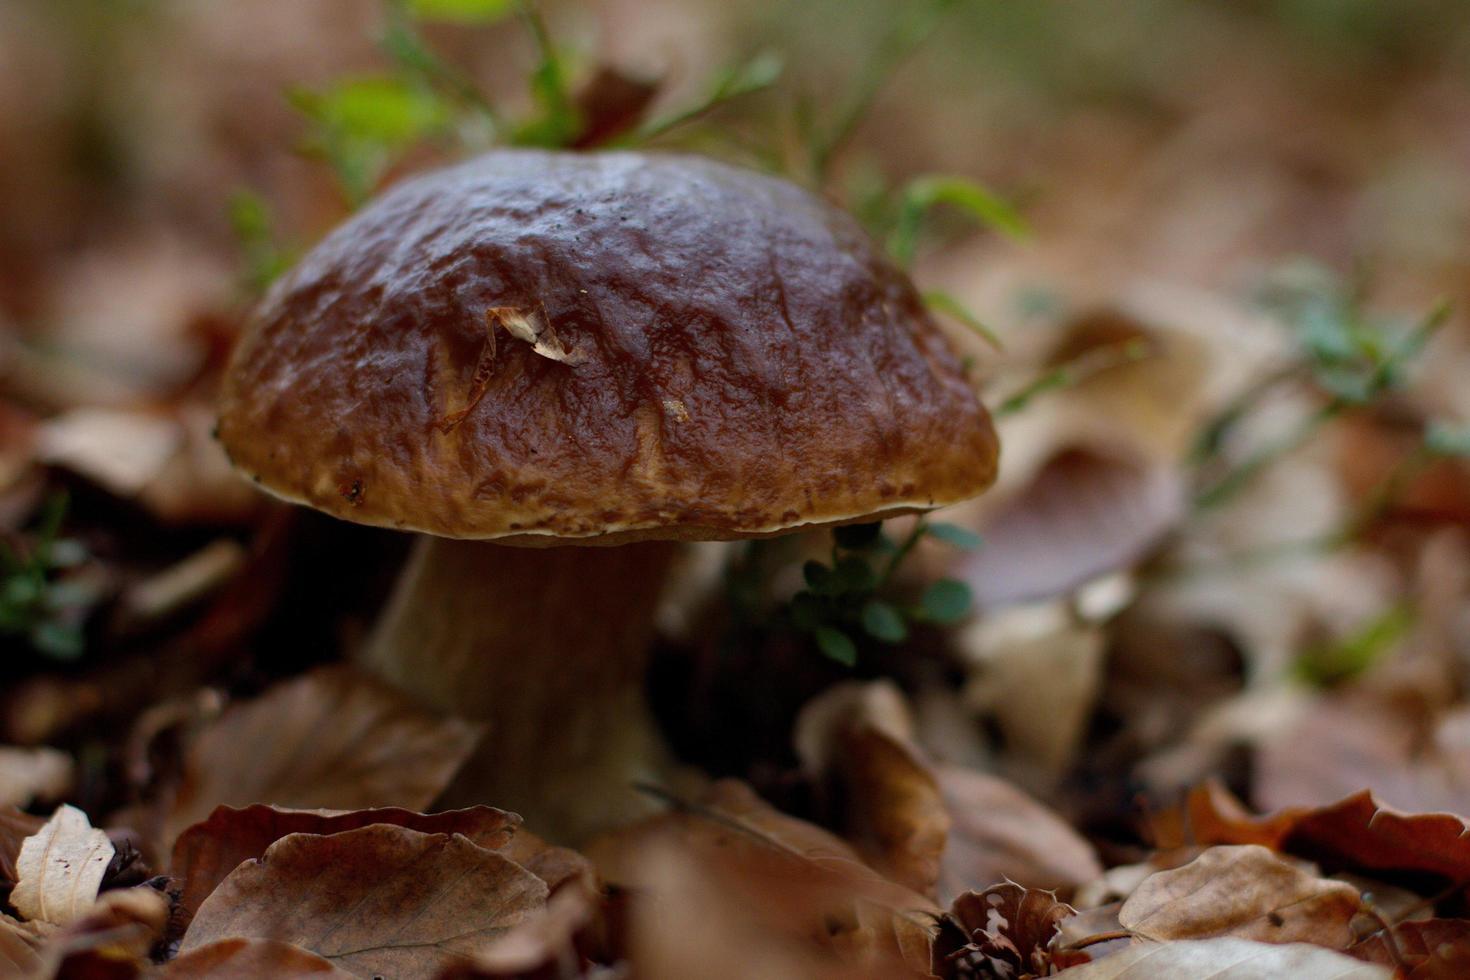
x=836 y=644
x=461 y=11
x=923 y=194
x=954 y=535
x=761 y=71
x=852 y=574
x=946 y=601
x=1444 y=439
x=857 y=537
x=381 y=110
x=883 y=622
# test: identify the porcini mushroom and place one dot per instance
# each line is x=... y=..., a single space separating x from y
x=587 y=357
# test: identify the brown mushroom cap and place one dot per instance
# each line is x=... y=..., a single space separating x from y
x=742 y=360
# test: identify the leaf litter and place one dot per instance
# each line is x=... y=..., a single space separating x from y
x=1205 y=717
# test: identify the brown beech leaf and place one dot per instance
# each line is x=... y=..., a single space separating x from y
x=1004 y=931
x=731 y=871
x=1244 y=891
x=1226 y=958
x=1000 y=833
x=331 y=739
x=60 y=868
x=117 y=933
x=381 y=900
x=559 y=867
x=1085 y=514
x=247 y=959
x=1433 y=949
x=15 y=827
x=20 y=946
x=208 y=851
x=542 y=946
x=855 y=742
x=610 y=103
x=1356 y=834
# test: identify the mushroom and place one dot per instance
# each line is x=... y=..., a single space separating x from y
x=553 y=367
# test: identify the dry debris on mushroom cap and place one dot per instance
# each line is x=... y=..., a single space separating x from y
x=536 y=346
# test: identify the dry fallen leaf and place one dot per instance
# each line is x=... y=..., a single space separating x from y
x=121 y=450
x=1362 y=741
x=1226 y=958
x=1086 y=513
x=691 y=919
x=331 y=739
x=247 y=959
x=542 y=946
x=1244 y=891
x=855 y=743
x=30 y=773
x=116 y=934
x=1004 y=931
x=20 y=946
x=60 y=868
x=560 y=867
x=760 y=873
x=1356 y=834
x=15 y=827
x=1001 y=833
x=381 y=900
x=1037 y=672
x=207 y=852
x=1434 y=949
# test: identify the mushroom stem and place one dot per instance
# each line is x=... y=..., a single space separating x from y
x=546 y=646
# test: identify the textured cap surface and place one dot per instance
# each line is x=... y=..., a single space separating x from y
x=537 y=346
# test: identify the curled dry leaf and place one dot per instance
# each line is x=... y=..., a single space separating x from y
x=30 y=773
x=1226 y=958
x=1004 y=931
x=1037 y=672
x=20 y=946
x=1362 y=740
x=330 y=739
x=207 y=852
x=381 y=900
x=117 y=933
x=543 y=946
x=60 y=868
x=1247 y=892
x=15 y=827
x=1434 y=949
x=560 y=867
x=247 y=959
x=1357 y=833
x=1085 y=514
x=120 y=450
x=731 y=871
x=854 y=743
x=1000 y=833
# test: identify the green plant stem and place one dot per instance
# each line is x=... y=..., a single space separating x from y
x=901 y=552
x=901 y=42
x=1214 y=433
x=1241 y=475
x=1073 y=372
x=407 y=46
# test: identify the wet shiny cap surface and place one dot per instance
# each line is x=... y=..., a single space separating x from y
x=536 y=346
